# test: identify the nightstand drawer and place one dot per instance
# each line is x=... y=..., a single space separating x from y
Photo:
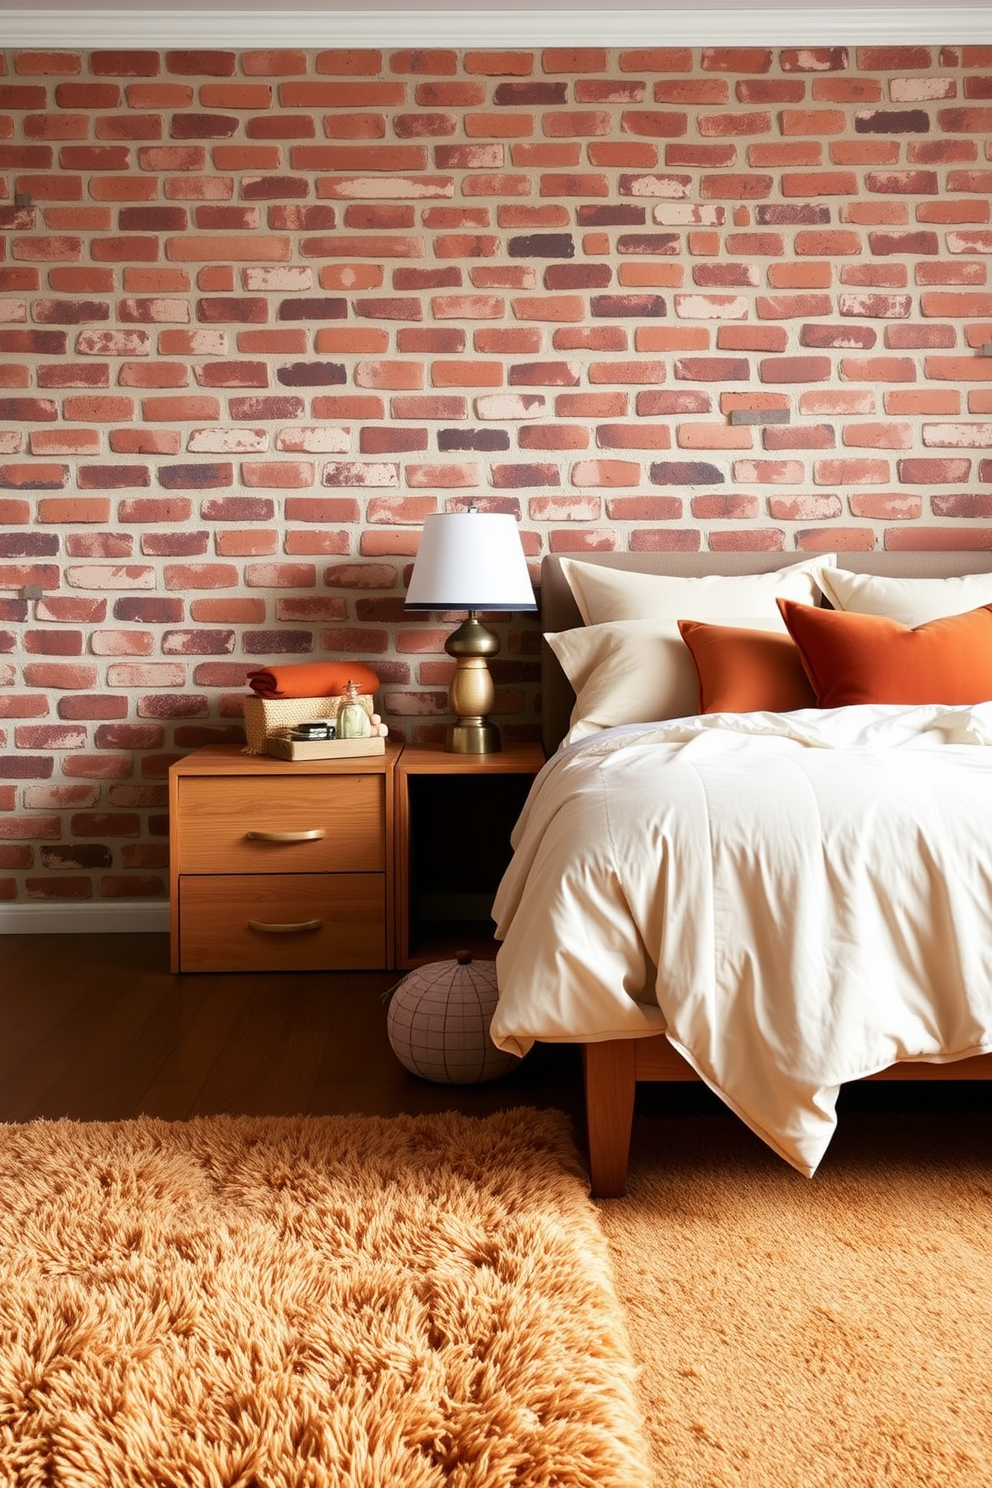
x=282 y=922
x=309 y=824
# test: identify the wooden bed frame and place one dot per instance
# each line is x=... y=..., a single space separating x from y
x=613 y=1068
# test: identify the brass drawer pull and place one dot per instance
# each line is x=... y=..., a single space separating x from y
x=267 y=928
x=312 y=836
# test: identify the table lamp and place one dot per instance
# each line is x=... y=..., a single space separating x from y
x=472 y=561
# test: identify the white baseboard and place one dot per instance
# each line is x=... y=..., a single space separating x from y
x=84 y=919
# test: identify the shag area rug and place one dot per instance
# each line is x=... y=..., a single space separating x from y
x=833 y=1332
x=330 y=1302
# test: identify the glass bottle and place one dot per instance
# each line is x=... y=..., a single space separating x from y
x=352 y=720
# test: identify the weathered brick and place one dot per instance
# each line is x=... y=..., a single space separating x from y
x=807 y=204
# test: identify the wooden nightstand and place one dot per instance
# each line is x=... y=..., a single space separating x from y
x=278 y=866
x=454 y=815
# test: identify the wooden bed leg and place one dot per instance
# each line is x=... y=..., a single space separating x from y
x=609 y=1076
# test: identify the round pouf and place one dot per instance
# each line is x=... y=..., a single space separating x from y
x=438 y=1022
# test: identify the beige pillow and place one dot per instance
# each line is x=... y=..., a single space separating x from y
x=910 y=601
x=632 y=671
x=605 y=594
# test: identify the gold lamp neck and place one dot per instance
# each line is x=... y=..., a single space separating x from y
x=472 y=639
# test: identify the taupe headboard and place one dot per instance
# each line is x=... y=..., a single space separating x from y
x=560 y=612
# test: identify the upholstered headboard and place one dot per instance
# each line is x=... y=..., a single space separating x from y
x=560 y=612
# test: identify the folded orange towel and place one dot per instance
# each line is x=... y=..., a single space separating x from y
x=299 y=679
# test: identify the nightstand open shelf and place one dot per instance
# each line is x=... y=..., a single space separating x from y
x=454 y=814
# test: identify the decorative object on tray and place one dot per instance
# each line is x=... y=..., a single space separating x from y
x=471 y=560
x=352 y=720
x=438 y=1022
x=351 y=733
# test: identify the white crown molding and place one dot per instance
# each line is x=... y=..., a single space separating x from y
x=136 y=915
x=705 y=25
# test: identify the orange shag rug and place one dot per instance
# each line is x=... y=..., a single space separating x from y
x=833 y=1332
x=328 y=1302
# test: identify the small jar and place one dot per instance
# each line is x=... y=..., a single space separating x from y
x=352 y=720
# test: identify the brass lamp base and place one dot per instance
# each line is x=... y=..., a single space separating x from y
x=470 y=737
x=472 y=694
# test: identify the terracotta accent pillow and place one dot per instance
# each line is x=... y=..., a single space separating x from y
x=746 y=671
x=852 y=658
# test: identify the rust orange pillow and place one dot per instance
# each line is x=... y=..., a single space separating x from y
x=852 y=658
x=746 y=671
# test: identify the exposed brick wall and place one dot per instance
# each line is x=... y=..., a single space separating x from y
x=261 y=312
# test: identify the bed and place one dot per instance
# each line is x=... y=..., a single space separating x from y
x=611 y=921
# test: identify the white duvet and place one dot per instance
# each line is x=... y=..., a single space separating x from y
x=795 y=900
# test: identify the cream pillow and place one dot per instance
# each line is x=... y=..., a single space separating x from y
x=910 y=601
x=606 y=594
x=632 y=671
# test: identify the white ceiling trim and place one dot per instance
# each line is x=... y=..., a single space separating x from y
x=132 y=26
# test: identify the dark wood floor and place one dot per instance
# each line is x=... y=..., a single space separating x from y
x=95 y=1027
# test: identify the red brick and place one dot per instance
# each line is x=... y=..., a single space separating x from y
x=958 y=368
x=755 y=540
x=196 y=477
x=104 y=545
x=552 y=437
x=875 y=276
x=179 y=410
x=888 y=435
x=201 y=576
x=725 y=508
x=800 y=436
x=144 y=441
x=795 y=369
x=619 y=155
x=325 y=542
x=945 y=471
x=190 y=63
x=56 y=887
x=935 y=539
x=59 y=676
x=844 y=472
x=925 y=401
x=431 y=477
x=843 y=539
x=671 y=540
x=564 y=509
x=228 y=611
x=252 y=542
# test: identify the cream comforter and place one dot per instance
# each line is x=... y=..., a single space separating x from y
x=795 y=900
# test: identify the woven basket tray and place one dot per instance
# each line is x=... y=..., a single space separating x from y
x=265 y=716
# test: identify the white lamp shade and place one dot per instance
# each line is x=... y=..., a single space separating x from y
x=470 y=561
